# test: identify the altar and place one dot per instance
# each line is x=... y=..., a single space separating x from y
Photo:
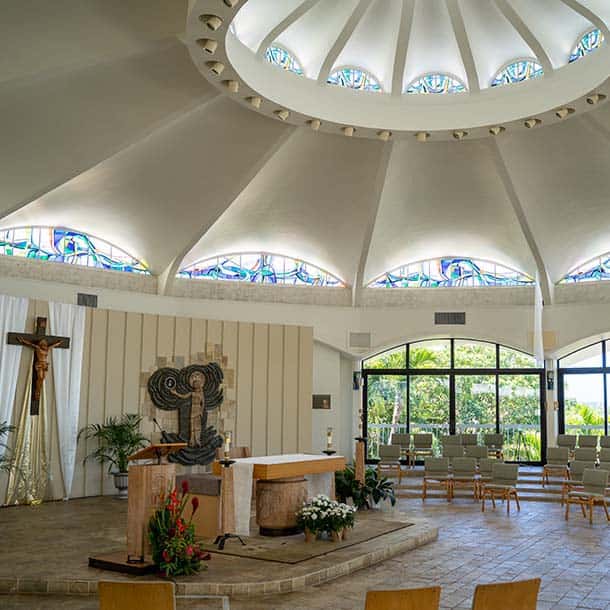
x=283 y=483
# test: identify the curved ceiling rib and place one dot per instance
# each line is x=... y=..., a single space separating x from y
x=285 y=24
x=588 y=14
x=459 y=29
x=404 y=36
x=344 y=36
x=513 y=17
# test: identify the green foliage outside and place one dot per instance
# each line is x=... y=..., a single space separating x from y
x=582 y=418
x=475 y=397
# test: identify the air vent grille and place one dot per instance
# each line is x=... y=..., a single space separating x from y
x=86 y=300
x=450 y=318
x=360 y=340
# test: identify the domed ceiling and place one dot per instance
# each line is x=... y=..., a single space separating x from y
x=109 y=128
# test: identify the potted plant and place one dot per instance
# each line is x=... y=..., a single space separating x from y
x=172 y=539
x=117 y=439
x=379 y=489
x=374 y=490
x=323 y=515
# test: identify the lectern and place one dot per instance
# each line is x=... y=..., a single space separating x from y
x=147 y=481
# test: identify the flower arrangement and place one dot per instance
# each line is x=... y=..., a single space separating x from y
x=322 y=514
x=172 y=538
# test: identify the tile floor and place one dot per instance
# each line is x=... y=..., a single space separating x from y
x=572 y=559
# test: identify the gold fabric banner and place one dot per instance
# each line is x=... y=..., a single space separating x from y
x=29 y=477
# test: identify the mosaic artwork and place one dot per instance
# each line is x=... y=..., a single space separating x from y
x=517 y=72
x=450 y=273
x=591 y=41
x=260 y=269
x=594 y=271
x=279 y=56
x=436 y=83
x=62 y=245
x=354 y=78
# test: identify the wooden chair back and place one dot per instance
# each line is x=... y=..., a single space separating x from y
x=521 y=595
x=404 y=599
x=115 y=595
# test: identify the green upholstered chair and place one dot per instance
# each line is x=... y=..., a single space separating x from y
x=557 y=459
x=404 y=442
x=464 y=471
x=486 y=469
x=451 y=439
x=469 y=440
x=503 y=486
x=604 y=442
x=453 y=451
x=594 y=483
x=422 y=445
x=604 y=454
x=475 y=451
x=577 y=468
x=389 y=461
x=405 y=599
x=588 y=440
x=567 y=440
x=495 y=444
x=520 y=595
x=437 y=475
x=585 y=454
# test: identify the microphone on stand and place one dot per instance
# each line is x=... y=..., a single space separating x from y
x=160 y=429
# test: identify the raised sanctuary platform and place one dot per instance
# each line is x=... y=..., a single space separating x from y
x=46 y=549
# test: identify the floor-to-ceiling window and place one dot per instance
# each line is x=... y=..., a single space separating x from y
x=583 y=386
x=452 y=386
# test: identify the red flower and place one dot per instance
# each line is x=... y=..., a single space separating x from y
x=166 y=556
x=195 y=503
x=185 y=487
x=172 y=532
x=189 y=551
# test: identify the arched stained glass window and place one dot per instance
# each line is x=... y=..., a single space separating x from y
x=517 y=72
x=436 y=83
x=451 y=272
x=61 y=245
x=260 y=268
x=591 y=41
x=278 y=56
x=595 y=270
x=354 y=78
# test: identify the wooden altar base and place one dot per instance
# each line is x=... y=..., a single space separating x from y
x=117 y=562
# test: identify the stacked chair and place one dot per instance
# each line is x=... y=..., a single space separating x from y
x=503 y=486
x=389 y=461
x=593 y=491
x=557 y=459
x=495 y=444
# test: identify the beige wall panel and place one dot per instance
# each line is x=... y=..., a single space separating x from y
x=243 y=423
x=260 y=365
x=290 y=390
x=97 y=392
x=275 y=383
x=305 y=387
x=182 y=340
x=165 y=337
x=229 y=350
x=133 y=354
x=148 y=362
x=198 y=339
x=214 y=340
x=80 y=470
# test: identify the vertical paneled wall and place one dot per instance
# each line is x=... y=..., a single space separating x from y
x=268 y=380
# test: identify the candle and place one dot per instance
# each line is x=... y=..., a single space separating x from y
x=329 y=438
x=227 y=444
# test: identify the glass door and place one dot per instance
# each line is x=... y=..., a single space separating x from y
x=475 y=404
x=429 y=406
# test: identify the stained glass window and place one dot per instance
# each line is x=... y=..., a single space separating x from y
x=62 y=245
x=591 y=41
x=278 y=56
x=451 y=272
x=354 y=78
x=260 y=268
x=595 y=270
x=436 y=83
x=517 y=72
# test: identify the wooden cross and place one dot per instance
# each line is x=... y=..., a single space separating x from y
x=42 y=344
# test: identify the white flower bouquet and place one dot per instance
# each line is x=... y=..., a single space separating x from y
x=322 y=514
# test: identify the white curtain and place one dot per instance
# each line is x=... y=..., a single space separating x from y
x=13 y=313
x=67 y=321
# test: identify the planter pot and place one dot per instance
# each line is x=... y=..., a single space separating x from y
x=121 y=482
x=309 y=535
x=336 y=536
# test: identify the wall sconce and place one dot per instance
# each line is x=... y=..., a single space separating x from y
x=208 y=45
x=314 y=124
x=531 y=123
x=422 y=136
x=596 y=98
x=356 y=379
x=550 y=380
x=255 y=101
x=348 y=131
x=216 y=67
x=459 y=135
x=212 y=21
x=282 y=114
x=384 y=135
x=231 y=85
x=563 y=113
x=497 y=130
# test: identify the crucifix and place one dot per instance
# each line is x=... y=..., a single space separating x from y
x=42 y=344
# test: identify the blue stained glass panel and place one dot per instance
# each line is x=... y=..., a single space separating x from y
x=62 y=245
x=436 y=84
x=591 y=41
x=279 y=56
x=517 y=72
x=597 y=270
x=260 y=268
x=451 y=273
x=354 y=78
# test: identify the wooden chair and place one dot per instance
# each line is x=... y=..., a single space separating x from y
x=136 y=595
x=475 y=451
x=389 y=461
x=422 y=445
x=469 y=440
x=521 y=595
x=404 y=599
x=452 y=452
x=503 y=486
x=556 y=464
x=577 y=468
x=404 y=442
x=569 y=441
x=587 y=440
x=465 y=474
x=585 y=454
x=604 y=442
x=495 y=444
x=436 y=474
x=594 y=483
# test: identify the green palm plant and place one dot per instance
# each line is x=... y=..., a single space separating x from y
x=117 y=439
